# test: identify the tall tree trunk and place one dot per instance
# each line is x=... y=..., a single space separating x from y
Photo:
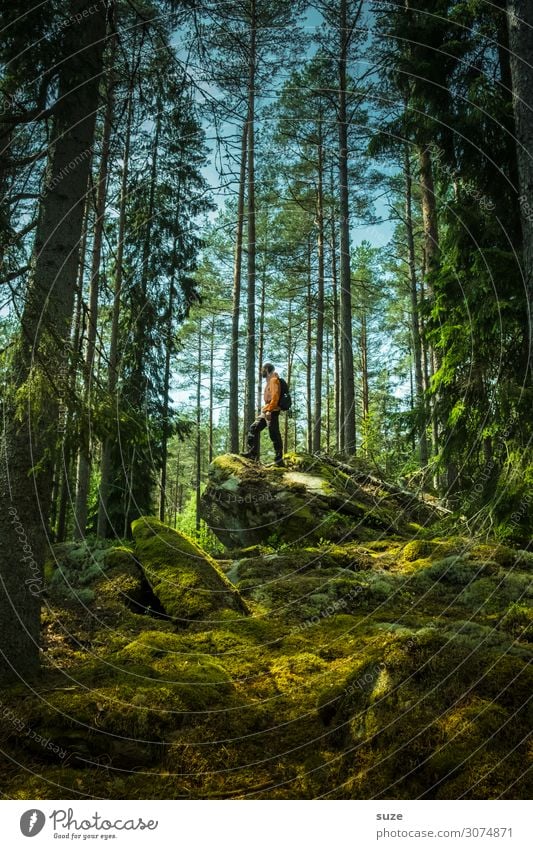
x=112 y=378
x=236 y=303
x=177 y=489
x=139 y=343
x=198 y=426
x=319 y=346
x=136 y=388
x=250 y=337
x=66 y=450
x=84 y=457
x=432 y=252
x=295 y=420
x=289 y=368
x=309 y=366
x=348 y=382
x=6 y=136
x=429 y=209
x=415 y=325
x=425 y=347
x=128 y=489
x=166 y=378
x=61 y=496
x=520 y=16
x=328 y=392
x=506 y=83
x=261 y=341
x=211 y=386
x=40 y=355
x=365 y=400
x=337 y=391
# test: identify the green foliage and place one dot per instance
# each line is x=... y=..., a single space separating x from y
x=513 y=498
x=203 y=536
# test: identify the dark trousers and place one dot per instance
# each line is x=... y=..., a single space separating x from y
x=273 y=431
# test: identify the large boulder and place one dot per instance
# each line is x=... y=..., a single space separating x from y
x=188 y=583
x=310 y=499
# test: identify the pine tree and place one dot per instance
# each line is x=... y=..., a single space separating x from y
x=38 y=368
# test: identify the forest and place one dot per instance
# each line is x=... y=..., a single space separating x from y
x=190 y=189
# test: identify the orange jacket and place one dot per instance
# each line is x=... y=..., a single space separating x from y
x=272 y=394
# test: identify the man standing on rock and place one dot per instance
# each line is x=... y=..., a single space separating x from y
x=269 y=418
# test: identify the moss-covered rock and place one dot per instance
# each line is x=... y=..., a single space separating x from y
x=246 y=504
x=391 y=667
x=124 y=706
x=187 y=581
x=503 y=555
x=416 y=549
x=73 y=567
x=438 y=708
x=518 y=621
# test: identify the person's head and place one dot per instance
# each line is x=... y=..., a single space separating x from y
x=267 y=370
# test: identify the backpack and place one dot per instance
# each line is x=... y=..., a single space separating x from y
x=285 y=400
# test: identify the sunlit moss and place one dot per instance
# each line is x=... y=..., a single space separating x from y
x=188 y=582
x=355 y=668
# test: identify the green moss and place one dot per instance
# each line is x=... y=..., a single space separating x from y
x=196 y=678
x=310 y=500
x=233 y=468
x=518 y=621
x=524 y=560
x=500 y=554
x=188 y=582
x=423 y=705
x=457 y=571
x=79 y=574
x=380 y=545
x=358 y=669
x=251 y=551
x=334 y=554
x=500 y=589
x=417 y=549
x=295 y=670
x=48 y=571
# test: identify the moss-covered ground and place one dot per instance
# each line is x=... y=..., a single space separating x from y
x=391 y=668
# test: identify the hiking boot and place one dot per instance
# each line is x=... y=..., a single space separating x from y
x=278 y=462
x=249 y=455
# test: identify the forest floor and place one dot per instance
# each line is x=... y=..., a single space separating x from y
x=395 y=666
